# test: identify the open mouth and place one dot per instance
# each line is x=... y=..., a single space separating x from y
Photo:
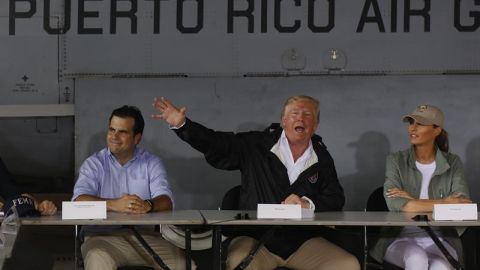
x=300 y=129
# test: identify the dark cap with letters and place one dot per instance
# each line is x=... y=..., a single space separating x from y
x=24 y=205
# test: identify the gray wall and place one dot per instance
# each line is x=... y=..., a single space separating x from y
x=360 y=123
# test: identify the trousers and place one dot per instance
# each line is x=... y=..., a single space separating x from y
x=108 y=252
x=414 y=255
x=315 y=254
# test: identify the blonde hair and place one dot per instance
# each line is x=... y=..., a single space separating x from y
x=310 y=99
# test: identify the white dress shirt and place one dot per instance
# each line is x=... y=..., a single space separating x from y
x=294 y=168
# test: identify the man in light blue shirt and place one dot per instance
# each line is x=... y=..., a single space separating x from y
x=131 y=180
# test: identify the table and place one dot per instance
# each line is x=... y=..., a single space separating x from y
x=184 y=218
x=176 y=217
x=217 y=219
x=227 y=217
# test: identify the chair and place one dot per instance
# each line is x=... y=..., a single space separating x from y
x=231 y=201
x=375 y=203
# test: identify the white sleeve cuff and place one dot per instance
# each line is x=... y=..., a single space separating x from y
x=312 y=205
x=179 y=127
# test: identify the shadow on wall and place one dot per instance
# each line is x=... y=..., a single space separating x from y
x=472 y=168
x=197 y=185
x=371 y=150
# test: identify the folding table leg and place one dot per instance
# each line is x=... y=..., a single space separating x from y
x=188 y=247
x=150 y=251
x=217 y=247
x=456 y=265
x=76 y=258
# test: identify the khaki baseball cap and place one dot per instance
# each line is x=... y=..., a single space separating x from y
x=426 y=115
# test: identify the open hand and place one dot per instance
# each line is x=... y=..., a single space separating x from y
x=174 y=116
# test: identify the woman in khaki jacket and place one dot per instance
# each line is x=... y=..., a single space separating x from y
x=415 y=180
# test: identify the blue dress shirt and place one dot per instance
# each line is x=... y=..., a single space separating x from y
x=102 y=176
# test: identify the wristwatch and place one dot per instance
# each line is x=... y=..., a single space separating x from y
x=150 y=202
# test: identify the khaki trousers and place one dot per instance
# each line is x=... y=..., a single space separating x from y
x=108 y=252
x=315 y=254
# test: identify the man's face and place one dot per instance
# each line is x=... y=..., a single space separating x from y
x=120 y=137
x=299 y=121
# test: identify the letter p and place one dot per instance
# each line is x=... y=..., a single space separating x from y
x=13 y=14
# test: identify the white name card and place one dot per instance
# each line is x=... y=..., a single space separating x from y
x=84 y=210
x=282 y=211
x=464 y=211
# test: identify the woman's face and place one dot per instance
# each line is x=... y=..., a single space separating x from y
x=422 y=134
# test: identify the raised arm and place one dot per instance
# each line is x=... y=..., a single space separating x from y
x=223 y=150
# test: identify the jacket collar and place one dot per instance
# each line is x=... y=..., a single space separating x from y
x=441 y=162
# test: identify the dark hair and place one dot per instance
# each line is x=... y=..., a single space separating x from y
x=441 y=141
x=133 y=112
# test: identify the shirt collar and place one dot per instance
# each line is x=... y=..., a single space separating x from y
x=441 y=162
x=136 y=153
x=283 y=152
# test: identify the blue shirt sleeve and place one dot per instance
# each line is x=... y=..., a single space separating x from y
x=88 y=179
x=158 y=179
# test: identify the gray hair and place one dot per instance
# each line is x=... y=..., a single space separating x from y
x=310 y=99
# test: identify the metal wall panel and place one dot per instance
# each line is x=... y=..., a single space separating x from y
x=37 y=150
x=29 y=67
x=445 y=39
